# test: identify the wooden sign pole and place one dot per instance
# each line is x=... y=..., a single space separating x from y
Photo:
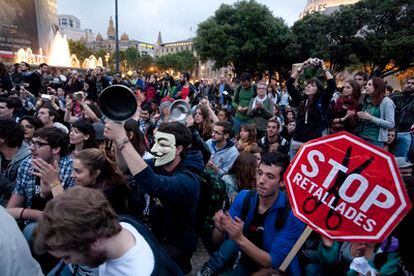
x=295 y=248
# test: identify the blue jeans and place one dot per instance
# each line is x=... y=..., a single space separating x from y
x=375 y=143
x=28 y=232
x=222 y=257
x=403 y=144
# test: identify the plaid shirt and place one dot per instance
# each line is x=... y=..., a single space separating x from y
x=26 y=181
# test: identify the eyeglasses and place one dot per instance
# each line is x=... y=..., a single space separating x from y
x=37 y=144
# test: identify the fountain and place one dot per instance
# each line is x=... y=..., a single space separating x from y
x=59 y=53
x=92 y=62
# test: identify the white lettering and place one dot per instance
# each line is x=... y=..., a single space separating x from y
x=359 y=218
x=318 y=193
x=350 y=213
x=373 y=199
x=297 y=178
x=363 y=186
x=369 y=226
x=315 y=170
x=336 y=167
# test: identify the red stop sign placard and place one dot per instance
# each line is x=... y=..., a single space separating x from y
x=346 y=189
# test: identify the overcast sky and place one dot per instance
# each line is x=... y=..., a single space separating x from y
x=176 y=19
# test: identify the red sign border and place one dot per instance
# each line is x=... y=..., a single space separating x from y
x=398 y=182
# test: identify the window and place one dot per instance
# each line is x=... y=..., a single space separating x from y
x=70 y=23
x=64 y=22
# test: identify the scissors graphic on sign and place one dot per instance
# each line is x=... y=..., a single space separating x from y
x=334 y=190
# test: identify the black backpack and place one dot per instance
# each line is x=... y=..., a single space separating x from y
x=281 y=217
x=213 y=197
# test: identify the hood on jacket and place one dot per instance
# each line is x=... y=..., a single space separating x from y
x=193 y=161
x=21 y=154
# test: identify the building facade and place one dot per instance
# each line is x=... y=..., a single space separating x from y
x=205 y=70
x=108 y=44
x=70 y=25
x=324 y=6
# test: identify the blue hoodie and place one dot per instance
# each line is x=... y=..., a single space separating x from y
x=174 y=199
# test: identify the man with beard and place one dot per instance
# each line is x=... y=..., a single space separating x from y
x=272 y=141
x=173 y=184
x=80 y=227
x=185 y=89
x=404 y=116
x=259 y=223
x=33 y=186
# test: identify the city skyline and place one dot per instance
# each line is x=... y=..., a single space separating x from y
x=153 y=17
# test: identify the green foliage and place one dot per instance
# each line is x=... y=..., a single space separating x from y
x=145 y=62
x=132 y=56
x=247 y=36
x=79 y=49
x=377 y=34
x=181 y=61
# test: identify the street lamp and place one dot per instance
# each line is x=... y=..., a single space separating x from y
x=116 y=38
x=107 y=56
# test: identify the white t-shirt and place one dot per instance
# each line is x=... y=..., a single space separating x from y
x=139 y=260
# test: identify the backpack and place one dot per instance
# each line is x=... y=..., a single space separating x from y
x=281 y=217
x=236 y=94
x=213 y=197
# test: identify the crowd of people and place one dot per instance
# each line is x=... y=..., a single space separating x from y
x=90 y=196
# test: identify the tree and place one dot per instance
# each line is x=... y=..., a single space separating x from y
x=376 y=34
x=145 y=62
x=386 y=41
x=181 y=61
x=311 y=36
x=247 y=36
x=79 y=49
x=132 y=56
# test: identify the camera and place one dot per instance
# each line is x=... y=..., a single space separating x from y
x=46 y=97
x=79 y=95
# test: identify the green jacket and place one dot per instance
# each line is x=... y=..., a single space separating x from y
x=242 y=98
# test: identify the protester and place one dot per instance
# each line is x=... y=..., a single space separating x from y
x=173 y=184
x=80 y=227
x=404 y=116
x=242 y=175
x=246 y=138
x=312 y=106
x=203 y=122
x=342 y=111
x=7 y=109
x=362 y=79
x=273 y=141
x=12 y=153
x=223 y=151
x=242 y=97
x=39 y=177
x=391 y=143
x=16 y=256
x=262 y=246
x=377 y=114
x=261 y=108
x=81 y=136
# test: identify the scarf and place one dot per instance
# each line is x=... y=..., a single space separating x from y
x=258 y=100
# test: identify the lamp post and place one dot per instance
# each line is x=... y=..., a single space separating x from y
x=116 y=38
x=107 y=55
